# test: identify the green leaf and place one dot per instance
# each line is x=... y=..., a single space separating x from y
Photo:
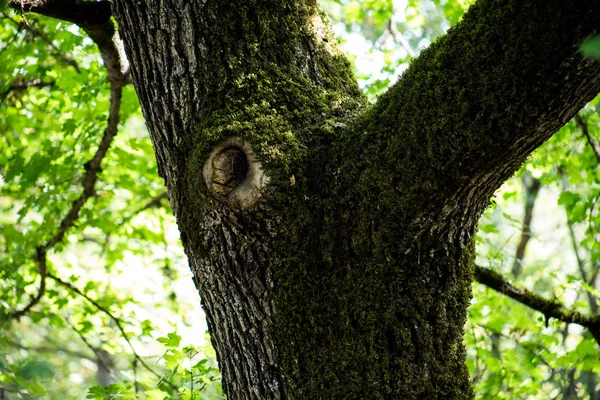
x=172 y=340
x=354 y=12
x=590 y=47
x=568 y=199
x=97 y=393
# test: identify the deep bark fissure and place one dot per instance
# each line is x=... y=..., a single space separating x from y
x=350 y=276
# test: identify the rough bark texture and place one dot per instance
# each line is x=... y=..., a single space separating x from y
x=350 y=277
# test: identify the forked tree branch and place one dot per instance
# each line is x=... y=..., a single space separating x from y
x=550 y=308
x=92 y=169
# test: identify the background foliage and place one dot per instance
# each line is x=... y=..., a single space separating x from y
x=119 y=312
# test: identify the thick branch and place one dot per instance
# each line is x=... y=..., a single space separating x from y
x=471 y=107
x=550 y=308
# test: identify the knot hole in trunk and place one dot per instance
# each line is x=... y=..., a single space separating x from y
x=232 y=174
x=230 y=168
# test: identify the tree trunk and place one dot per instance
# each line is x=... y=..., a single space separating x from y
x=331 y=242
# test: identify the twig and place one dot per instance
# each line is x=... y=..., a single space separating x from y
x=550 y=308
x=20 y=86
x=56 y=52
x=43 y=270
x=48 y=349
x=99 y=359
x=115 y=319
x=399 y=38
x=586 y=131
x=155 y=202
x=13 y=38
x=580 y=266
x=532 y=188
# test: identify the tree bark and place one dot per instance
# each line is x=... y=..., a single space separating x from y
x=331 y=242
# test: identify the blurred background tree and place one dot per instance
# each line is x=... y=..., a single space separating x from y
x=94 y=287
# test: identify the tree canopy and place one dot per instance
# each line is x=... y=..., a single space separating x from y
x=96 y=296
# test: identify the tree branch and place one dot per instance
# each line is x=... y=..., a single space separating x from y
x=19 y=86
x=155 y=202
x=92 y=168
x=99 y=360
x=48 y=349
x=78 y=12
x=94 y=17
x=472 y=106
x=550 y=308
x=118 y=322
x=43 y=270
x=56 y=52
x=583 y=125
x=532 y=188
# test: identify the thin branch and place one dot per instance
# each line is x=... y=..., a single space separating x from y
x=56 y=52
x=19 y=86
x=99 y=359
x=532 y=188
x=550 y=308
x=13 y=38
x=155 y=202
x=118 y=322
x=43 y=270
x=399 y=38
x=49 y=349
x=580 y=264
x=581 y=267
x=92 y=168
x=582 y=123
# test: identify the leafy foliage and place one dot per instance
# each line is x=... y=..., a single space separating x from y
x=94 y=329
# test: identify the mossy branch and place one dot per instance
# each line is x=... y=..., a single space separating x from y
x=471 y=108
x=550 y=308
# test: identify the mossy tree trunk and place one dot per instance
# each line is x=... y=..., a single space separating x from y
x=330 y=240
